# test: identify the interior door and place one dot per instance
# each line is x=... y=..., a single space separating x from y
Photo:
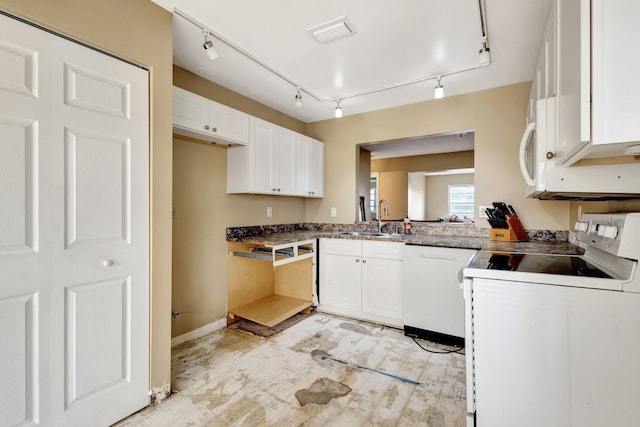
x=75 y=231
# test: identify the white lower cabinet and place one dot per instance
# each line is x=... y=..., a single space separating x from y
x=362 y=279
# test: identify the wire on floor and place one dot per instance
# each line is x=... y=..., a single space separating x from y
x=455 y=350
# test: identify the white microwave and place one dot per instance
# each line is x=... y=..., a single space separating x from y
x=546 y=180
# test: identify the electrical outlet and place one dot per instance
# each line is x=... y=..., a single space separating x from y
x=269 y=211
x=334 y=212
x=481 y=211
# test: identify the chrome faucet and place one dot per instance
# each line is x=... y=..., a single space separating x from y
x=383 y=203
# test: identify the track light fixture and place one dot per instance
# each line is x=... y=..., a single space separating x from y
x=484 y=60
x=298 y=99
x=439 y=92
x=338 y=112
x=208 y=46
x=485 y=54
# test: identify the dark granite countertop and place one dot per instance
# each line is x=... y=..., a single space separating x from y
x=476 y=241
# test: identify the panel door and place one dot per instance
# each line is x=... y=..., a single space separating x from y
x=100 y=293
x=73 y=232
x=262 y=156
x=25 y=225
x=302 y=168
x=382 y=287
x=190 y=111
x=315 y=165
x=340 y=286
x=615 y=83
x=286 y=169
x=229 y=124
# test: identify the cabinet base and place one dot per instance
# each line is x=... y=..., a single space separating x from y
x=437 y=337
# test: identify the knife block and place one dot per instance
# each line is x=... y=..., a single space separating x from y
x=503 y=234
x=515 y=232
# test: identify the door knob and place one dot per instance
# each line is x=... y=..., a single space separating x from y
x=214 y=129
x=206 y=127
x=364 y=261
x=107 y=262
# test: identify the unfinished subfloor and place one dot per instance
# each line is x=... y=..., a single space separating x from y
x=323 y=371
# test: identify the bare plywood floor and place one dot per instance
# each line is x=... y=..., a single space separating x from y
x=334 y=365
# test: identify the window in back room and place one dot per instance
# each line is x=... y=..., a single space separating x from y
x=461 y=200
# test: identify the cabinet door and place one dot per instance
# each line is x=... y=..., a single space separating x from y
x=616 y=90
x=302 y=167
x=340 y=285
x=573 y=77
x=315 y=168
x=285 y=172
x=382 y=287
x=550 y=52
x=229 y=124
x=190 y=111
x=262 y=156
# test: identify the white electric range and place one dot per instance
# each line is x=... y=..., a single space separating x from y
x=553 y=340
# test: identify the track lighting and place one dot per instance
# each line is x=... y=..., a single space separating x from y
x=439 y=92
x=298 y=99
x=338 y=109
x=208 y=46
x=485 y=54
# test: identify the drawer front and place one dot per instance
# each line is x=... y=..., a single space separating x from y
x=341 y=247
x=385 y=250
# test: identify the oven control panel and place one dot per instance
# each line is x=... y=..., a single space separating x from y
x=615 y=233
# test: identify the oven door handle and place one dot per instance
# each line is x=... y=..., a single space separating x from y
x=531 y=127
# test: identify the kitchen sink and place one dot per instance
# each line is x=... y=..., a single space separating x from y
x=367 y=234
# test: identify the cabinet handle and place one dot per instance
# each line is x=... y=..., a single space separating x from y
x=364 y=261
x=214 y=129
x=357 y=260
x=107 y=262
x=278 y=189
x=206 y=127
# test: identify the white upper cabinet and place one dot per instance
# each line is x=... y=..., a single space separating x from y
x=198 y=117
x=275 y=162
x=310 y=167
x=615 y=64
x=597 y=86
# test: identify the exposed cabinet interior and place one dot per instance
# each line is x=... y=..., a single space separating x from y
x=269 y=284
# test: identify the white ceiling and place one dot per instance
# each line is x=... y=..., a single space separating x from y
x=449 y=143
x=395 y=42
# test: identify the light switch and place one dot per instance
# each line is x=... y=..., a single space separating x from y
x=334 y=212
x=269 y=211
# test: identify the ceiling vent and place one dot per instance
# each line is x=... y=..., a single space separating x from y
x=332 y=30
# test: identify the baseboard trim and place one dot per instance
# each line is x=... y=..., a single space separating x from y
x=200 y=332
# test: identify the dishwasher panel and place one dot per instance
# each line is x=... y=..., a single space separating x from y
x=433 y=303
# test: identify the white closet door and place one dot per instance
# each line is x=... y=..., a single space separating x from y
x=25 y=232
x=90 y=208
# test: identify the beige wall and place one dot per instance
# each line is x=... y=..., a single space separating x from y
x=393 y=187
x=394 y=179
x=203 y=211
x=141 y=32
x=437 y=192
x=496 y=116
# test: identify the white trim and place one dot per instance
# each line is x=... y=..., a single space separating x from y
x=200 y=332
